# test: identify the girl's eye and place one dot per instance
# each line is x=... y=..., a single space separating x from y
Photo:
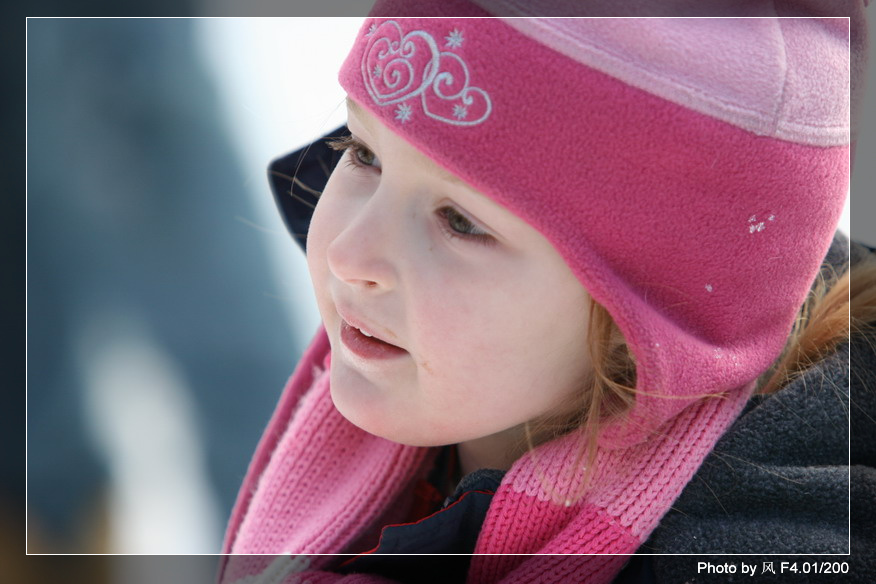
x=360 y=155
x=456 y=224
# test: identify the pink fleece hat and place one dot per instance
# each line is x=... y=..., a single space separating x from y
x=691 y=172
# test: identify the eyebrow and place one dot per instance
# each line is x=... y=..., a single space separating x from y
x=443 y=173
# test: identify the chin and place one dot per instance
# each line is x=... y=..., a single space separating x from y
x=385 y=426
x=373 y=425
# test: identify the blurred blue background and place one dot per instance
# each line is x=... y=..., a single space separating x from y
x=166 y=305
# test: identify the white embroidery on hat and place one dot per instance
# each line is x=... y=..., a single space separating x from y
x=411 y=65
x=708 y=288
x=403 y=113
x=754 y=226
x=454 y=39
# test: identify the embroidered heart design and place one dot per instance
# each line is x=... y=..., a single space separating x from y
x=396 y=67
x=452 y=99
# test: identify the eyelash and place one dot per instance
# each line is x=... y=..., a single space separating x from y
x=356 y=149
x=449 y=215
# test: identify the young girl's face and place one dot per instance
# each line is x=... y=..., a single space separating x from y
x=476 y=323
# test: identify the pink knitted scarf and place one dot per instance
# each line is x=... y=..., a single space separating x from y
x=317 y=484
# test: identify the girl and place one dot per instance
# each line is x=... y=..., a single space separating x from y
x=554 y=262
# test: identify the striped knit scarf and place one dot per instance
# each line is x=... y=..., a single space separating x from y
x=318 y=484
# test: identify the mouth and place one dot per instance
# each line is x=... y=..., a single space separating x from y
x=365 y=345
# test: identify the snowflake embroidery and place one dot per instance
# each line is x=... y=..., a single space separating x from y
x=460 y=111
x=403 y=113
x=377 y=71
x=708 y=287
x=371 y=30
x=454 y=39
x=753 y=225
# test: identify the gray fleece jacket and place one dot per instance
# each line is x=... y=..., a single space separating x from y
x=787 y=478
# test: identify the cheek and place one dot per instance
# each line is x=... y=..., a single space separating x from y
x=452 y=319
x=327 y=222
x=318 y=238
x=508 y=349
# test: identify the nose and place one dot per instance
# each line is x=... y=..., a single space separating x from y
x=361 y=255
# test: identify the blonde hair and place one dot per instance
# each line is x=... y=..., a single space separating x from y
x=823 y=322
